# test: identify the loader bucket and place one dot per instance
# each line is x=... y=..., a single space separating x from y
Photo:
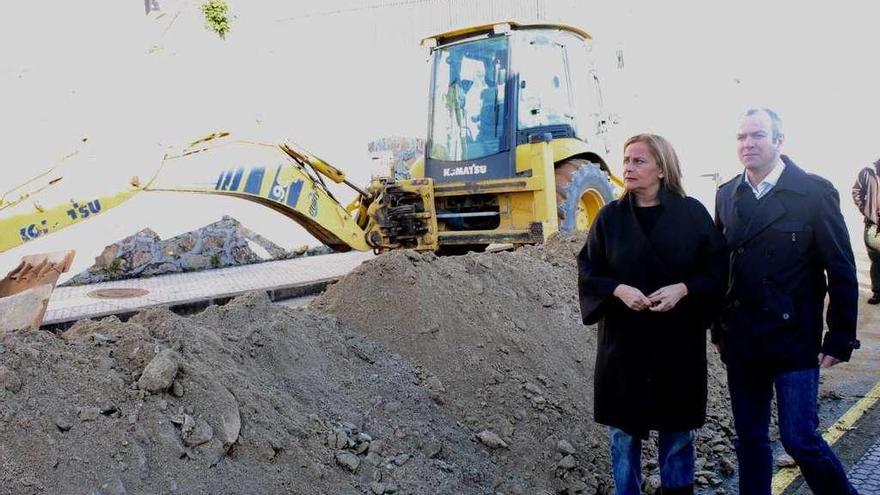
x=25 y=292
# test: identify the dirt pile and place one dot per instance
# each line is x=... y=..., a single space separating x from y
x=413 y=375
x=502 y=339
x=248 y=398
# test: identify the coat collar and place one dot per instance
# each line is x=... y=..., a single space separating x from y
x=769 y=182
x=665 y=197
x=792 y=179
x=670 y=218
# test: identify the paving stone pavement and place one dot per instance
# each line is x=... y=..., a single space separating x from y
x=76 y=303
x=865 y=475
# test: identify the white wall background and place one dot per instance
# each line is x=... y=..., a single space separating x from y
x=332 y=75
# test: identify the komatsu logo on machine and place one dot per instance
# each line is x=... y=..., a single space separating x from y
x=472 y=169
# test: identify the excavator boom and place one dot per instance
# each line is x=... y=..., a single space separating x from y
x=267 y=175
x=284 y=177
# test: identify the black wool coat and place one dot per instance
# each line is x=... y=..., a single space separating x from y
x=784 y=258
x=651 y=367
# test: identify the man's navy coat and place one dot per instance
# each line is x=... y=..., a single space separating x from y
x=779 y=259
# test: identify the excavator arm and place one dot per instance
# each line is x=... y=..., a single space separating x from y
x=387 y=215
x=265 y=174
x=284 y=177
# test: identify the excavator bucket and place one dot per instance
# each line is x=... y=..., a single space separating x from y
x=25 y=292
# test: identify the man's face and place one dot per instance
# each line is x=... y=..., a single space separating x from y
x=754 y=142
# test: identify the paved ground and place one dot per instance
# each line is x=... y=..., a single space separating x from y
x=74 y=303
x=865 y=475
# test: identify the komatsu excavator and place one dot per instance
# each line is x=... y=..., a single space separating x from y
x=516 y=135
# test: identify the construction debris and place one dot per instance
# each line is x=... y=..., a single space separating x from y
x=415 y=374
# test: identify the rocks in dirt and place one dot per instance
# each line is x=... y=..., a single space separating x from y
x=567 y=463
x=195 y=432
x=230 y=417
x=159 y=374
x=785 y=461
x=353 y=446
x=9 y=380
x=339 y=440
x=538 y=402
x=727 y=466
x=651 y=484
x=177 y=389
x=377 y=488
x=533 y=389
x=565 y=447
x=114 y=487
x=491 y=439
x=705 y=478
x=63 y=422
x=88 y=413
x=348 y=461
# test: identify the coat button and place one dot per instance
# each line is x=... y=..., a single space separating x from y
x=736 y=303
x=785 y=316
x=740 y=250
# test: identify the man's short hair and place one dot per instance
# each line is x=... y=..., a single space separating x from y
x=775 y=121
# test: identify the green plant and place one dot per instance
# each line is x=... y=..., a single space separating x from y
x=217 y=17
x=215 y=260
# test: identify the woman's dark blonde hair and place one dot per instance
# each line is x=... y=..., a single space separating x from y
x=666 y=158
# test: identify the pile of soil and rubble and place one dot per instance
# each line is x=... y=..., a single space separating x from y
x=413 y=375
x=502 y=337
x=246 y=398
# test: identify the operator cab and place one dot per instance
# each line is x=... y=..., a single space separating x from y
x=494 y=86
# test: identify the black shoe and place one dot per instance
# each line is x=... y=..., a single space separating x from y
x=875 y=299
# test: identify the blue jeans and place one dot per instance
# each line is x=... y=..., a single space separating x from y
x=676 y=460
x=751 y=392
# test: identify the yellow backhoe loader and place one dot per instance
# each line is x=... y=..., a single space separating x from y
x=516 y=135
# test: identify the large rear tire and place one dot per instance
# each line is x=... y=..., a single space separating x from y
x=582 y=189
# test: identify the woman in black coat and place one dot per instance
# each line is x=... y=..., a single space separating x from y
x=651 y=274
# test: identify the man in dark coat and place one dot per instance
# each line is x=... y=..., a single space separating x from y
x=785 y=234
